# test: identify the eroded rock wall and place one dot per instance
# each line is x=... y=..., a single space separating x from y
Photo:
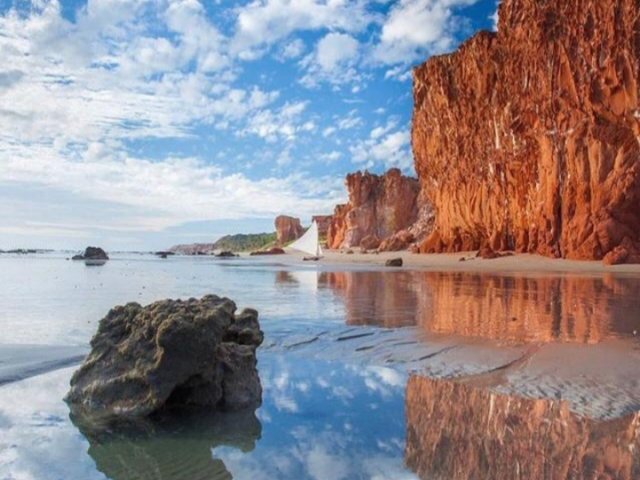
x=528 y=139
x=288 y=229
x=379 y=207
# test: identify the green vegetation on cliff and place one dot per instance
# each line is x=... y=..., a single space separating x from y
x=245 y=242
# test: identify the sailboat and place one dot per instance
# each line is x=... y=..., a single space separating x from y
x=309 y=243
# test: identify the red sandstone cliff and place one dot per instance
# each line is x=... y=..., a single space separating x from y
x=323 y=222
x=379 y=207
x=287 y=229
x=529 y=139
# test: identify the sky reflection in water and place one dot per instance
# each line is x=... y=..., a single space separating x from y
x=319 y=420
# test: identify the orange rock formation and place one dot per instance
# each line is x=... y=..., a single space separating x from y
x=323 y=222
x=378 y=208
x=529 y=138
x=287 y=229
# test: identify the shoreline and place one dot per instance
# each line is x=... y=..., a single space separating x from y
x=517 y=263
x=19 y=362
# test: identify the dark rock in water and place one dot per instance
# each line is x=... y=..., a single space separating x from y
x=310 y=259
x=92 y=253
x=154 y=447
x=271 y=251
x=172 y=353
x=163 y=254
x=226 y=254
x=394 y=262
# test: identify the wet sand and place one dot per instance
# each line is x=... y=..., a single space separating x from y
x=597 y=381
x=18 y=362
x=451 y=262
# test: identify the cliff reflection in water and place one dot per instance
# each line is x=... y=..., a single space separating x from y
x=173 y=446
x=456 y=432
x=512 y=308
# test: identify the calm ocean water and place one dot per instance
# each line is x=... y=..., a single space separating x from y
x=320 y=419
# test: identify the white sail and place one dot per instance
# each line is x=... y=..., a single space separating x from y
x=309 y=242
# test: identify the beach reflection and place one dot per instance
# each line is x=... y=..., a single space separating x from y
x=518 y=309
x=456 y=432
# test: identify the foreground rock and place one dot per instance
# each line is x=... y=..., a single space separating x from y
x=527 y=139
x=288 y=229
x=379 y=207
x=171 y=353
x=92 y=253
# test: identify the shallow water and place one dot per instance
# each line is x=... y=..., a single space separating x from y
x=45 y=299
x=318 y=420
x=515 y=354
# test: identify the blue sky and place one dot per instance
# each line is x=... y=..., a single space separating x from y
x=138 y=124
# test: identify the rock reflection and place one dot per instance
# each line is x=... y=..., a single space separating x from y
x=375 y=298
x=509 y=308
x=456 y=432
x=171 y=446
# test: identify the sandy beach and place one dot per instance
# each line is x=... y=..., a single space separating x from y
x=520 y=263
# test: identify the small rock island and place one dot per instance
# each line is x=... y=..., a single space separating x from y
x=92 y=253
x=171 y=353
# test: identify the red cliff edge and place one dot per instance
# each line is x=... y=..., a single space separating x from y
x=529 y=139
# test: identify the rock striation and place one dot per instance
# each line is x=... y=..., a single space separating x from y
x=379 y=207
x=170 y=353
x=288 y=229
x=323 y=222
x=458 y=432
x=528 y=139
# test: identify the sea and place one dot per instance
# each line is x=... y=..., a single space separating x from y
x=367 y=373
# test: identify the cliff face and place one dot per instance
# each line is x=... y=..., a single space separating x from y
x=287 y=229
x=528 y=139
x=323 y=222
x=379 y=207
x=460 y=433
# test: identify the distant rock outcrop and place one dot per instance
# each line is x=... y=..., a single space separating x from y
x=271 y=251
x=92 y=253
x=288 y=229
x=170 y=353
x=379 y=207
x=528 y=139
